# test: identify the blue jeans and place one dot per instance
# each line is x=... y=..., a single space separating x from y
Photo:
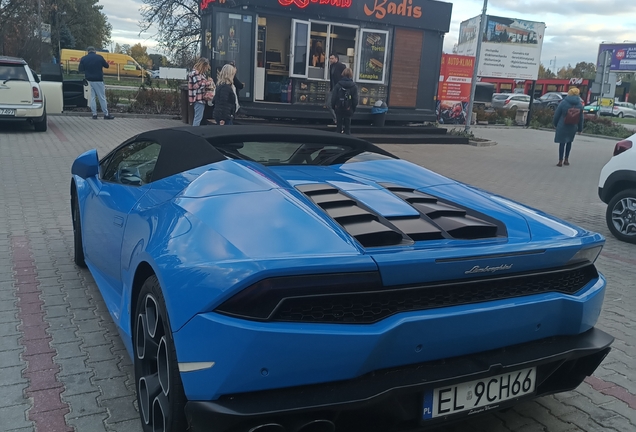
x=97 y=88
x=567 y=147
x=199 y=108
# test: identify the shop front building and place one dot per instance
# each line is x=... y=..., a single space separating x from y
x=281 y=49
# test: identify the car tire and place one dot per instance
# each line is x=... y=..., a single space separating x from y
x=621 y=216
x=160 y=394
x=78 y=244
x=620 y=115
x=42 y=125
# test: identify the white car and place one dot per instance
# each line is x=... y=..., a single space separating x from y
x=154 y=74
x=617 y=188
x=623 y=109
x=24 y=97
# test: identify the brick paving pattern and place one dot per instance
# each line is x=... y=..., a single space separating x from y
x=63 y=366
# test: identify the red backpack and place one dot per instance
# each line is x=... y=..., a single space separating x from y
x=572 y=116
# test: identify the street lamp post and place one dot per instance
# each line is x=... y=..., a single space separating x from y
x=473 y=82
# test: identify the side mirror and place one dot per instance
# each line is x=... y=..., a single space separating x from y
x=86 y=165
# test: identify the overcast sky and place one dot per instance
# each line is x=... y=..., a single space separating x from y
x=574 y=30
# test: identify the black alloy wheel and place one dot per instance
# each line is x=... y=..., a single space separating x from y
x=621 y=216
x=160 y=393
x=78 y=246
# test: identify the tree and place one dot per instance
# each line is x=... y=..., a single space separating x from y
x=158 y=60
x=86 y=22
x=566 y=72
x=584 y=70
x=545 y=73
x=179 y=25
x=140 y=53
x=118 y=49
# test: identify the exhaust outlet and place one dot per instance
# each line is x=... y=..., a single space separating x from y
x=268 y=427
x=320 y=425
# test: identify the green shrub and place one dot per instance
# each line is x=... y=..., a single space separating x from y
x=154 y=101
x=112 y=98
x=542 y=118
x=605 y=126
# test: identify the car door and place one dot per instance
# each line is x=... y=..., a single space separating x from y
x=124 y=178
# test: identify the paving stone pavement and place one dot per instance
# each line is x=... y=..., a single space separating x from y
x=92 y=375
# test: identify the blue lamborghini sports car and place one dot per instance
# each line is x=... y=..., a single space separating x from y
x=279 y=279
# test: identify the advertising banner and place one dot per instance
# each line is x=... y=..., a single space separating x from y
x=511 y=48
x=453 y=92
x=623 y=56
x=372 y=59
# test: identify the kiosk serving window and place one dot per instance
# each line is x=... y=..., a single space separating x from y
x=372 y=54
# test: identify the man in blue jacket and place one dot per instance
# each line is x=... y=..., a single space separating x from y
x=91 y=64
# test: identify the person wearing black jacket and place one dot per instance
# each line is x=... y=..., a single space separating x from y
x=225 y=98
x=344 y=106
x=335 y=73
x=91 y=64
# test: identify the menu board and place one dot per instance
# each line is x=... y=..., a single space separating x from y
x=310 y=92
x=369 y=94
x=372 y=51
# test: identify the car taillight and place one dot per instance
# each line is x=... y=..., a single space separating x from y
x=507 y=102
x=622 y=146
x=37 y=96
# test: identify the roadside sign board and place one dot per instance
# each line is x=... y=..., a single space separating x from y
x=623 y=56
x=607 y=105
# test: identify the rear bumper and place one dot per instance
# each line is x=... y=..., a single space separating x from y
x=35 y=111
x=393 y=398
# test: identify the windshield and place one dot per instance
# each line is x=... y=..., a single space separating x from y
x=287 y=153
x=13 y=72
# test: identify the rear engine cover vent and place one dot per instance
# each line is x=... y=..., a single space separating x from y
x=455 y=221
x=368 y=228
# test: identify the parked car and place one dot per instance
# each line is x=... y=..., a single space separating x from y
x=549 y=100
x=286 y=279
x=512 y=101
x=154 y=74
x=617 y=188
x=622 y=109
x=498 y=98
x=24 y=97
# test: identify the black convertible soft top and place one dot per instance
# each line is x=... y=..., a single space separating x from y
x=188 y=147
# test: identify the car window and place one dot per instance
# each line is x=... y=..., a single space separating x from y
x=500 y=97
x=132 y=164
x=13 y=72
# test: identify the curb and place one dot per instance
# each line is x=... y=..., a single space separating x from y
x=122 y=115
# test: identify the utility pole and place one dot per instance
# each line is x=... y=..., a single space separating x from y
x=473 y=82
x=553 y=63
x=39 y=33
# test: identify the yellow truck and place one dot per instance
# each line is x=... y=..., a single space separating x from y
x=120 y=64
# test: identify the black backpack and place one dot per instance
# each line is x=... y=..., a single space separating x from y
x=344 y=100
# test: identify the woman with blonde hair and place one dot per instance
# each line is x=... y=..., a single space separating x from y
x=200 y=88
x=568 y=120
x=225 y=96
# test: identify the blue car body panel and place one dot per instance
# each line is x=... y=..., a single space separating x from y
x=211 y=232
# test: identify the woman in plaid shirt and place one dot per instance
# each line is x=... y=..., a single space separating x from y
x=200 y=88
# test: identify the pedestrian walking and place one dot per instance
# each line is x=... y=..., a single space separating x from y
x=237 y=86
x=568 y=120
x=225 y=97
x=200 y=89
x=92 y=65
x=335 y=73
x=344 y=101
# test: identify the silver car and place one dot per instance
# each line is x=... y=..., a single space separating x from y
x=623 y=109
x=511 y=101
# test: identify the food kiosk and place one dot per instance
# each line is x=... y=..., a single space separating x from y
x=281 y=49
